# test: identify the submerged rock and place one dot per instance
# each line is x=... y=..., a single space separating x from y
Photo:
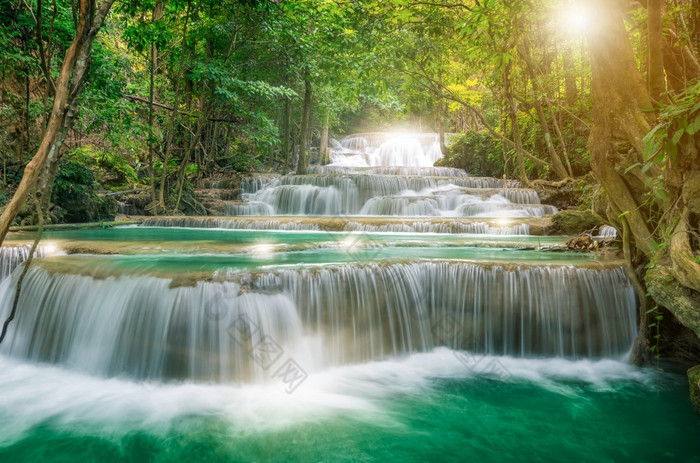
x=694 y=383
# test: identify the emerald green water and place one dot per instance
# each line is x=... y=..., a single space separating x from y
x=169 y=264
x=155 y=234
x=428 y=407
x=206 y=250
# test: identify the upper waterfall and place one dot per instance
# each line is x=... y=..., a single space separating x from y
x=386 y=149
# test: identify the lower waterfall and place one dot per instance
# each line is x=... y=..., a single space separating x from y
x=160 y=329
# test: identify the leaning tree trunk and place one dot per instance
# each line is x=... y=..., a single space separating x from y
x=68 y=86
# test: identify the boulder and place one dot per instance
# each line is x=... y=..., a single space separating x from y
x=573 y=222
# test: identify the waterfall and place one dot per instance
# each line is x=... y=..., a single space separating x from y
x=12 y=256
x=250 y=185
x=235 y=208
x=607 y=232
x=387 y=149
x=390 y=170
x=380 y=174
x=231 y=224
x=153 y=328
x=378 y=193
x=444 y=225
x=478 y=228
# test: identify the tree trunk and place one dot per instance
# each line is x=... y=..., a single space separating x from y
x=441 y=127
x=323 y=148
x=619 y=121
x=75 y=64
x=287 y=145
x=570 y=89
x=657 y=82
x=157 y=15
x=560 y=136
x=305 y=132
x=557 y=166
x=173 y=114
x=515 y=128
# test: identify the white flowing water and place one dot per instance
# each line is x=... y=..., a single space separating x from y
x=387 y=149
x=147 y=327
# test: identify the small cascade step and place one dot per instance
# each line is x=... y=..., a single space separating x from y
x=520 y=226
x=390 y=170
x=378 y=193
x=236 y=208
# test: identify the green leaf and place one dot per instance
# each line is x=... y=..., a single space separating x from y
x=677 y=136
x=694 y=127
x=660 y=194
x=636 y=164
x=647 y=166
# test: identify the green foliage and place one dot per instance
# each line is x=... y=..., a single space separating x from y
x=75 y=192
x=479 y=153
x=678 y=126
x=4 y=198
x=113 y=168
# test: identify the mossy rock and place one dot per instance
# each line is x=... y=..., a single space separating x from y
x=572 y=222
x=694 y=383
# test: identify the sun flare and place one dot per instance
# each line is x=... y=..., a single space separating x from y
x=575 y=19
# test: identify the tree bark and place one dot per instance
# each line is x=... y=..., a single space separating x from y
x=657 y=81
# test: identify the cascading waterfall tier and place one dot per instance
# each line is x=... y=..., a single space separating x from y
x=12 y=256
x=445 y=226
x=528 y=226
x=394 y=176
x=386 y=149
x=390 y=170
x=156 y=328
x=380 y=194
x=251 y=223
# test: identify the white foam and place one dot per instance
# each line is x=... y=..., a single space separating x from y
x=31 y=394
